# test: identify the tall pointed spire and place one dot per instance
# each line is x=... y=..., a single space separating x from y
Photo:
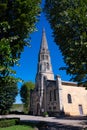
x=44 y=70
x=44 y=60
x=44 y=41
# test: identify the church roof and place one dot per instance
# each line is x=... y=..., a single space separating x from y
x=44 y=45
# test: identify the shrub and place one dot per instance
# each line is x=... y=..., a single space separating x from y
x=9 y=122
x=45 y=114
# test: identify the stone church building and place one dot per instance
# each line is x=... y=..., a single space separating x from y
x=55 y=96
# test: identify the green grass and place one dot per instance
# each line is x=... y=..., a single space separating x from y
x=17 y=107
x=18 y=127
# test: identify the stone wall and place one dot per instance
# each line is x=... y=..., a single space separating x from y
x=52 y=99
x=78 y=105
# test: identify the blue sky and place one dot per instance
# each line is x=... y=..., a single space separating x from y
x=29 y=58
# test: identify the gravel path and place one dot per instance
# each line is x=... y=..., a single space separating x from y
x=71 y=122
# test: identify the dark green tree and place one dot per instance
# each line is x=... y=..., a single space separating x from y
x=17 y=22
x=68 y=19
x=8 y=92
x=25 y=95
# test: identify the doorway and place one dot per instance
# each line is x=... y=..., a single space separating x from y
x=80 y=109
x=38 y=109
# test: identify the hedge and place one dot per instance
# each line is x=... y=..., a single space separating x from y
x=9 y=122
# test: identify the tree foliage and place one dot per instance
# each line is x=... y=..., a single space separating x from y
x=68 y=19
x=25 y=94
x=17 y=22
x=8 y=92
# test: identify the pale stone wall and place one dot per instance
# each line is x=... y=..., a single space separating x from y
x=79 y=97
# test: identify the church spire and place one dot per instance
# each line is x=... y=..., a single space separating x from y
x=44 y=61
x=44 y=45
x=44 y=70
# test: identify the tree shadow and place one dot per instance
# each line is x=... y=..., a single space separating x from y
x=56 y=126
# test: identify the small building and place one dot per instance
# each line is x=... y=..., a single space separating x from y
x=54 y=95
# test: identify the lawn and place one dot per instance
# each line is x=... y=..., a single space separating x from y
x=17 y=107
x=18 y=127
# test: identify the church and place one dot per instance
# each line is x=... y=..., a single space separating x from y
x=53 y=95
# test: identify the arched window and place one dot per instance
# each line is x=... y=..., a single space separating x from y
x=54 y=94
x=44 y=66
x=50 y=95
x=69 y=98
x=48 y=67
x=46 y=57
x=42 y=57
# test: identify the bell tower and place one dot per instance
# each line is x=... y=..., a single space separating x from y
x=44 y=61
x=44 y=73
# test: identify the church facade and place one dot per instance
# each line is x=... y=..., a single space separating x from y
x=55 y=96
